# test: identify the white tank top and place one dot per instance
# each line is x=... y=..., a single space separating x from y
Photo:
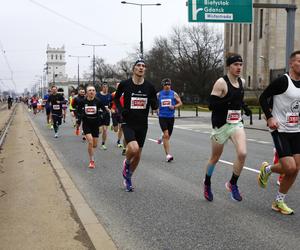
x=286 y=108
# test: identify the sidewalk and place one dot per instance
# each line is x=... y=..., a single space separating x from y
x=34 y=211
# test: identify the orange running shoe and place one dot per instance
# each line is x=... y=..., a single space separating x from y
x=77 y=131
x=92 y=164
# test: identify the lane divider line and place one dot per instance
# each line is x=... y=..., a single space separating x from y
x=223 y=161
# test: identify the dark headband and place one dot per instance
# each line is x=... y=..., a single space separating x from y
x=139 y=61
x=233 y=59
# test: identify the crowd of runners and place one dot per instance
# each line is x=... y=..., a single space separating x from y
x=129 y=106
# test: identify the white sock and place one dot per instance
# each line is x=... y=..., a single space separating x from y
x=268 y=169
x=280 y=196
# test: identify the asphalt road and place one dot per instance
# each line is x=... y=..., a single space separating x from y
x=167 y=209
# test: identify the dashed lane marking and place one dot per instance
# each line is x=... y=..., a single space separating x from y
x=223 y=161
x=250 y=169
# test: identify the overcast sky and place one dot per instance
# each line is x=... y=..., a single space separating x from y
x=27 y=26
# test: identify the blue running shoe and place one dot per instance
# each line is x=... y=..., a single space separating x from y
x=127 y=177
x=235 y=194
x=208 y=195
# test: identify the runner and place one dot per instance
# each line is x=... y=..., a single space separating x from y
x=34 y=102
x=139 y=95
x=116 y=118
x=64 y=107
x=9 y=102
x=72 y=109
x=76 y=102
x=90 y=110
x=283 y=122
x=55 y=101
x=47 y=108
x=168 y=101
x=226 y=101
x=106 y=99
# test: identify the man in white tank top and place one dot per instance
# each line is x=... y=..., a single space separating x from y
x=283 y=122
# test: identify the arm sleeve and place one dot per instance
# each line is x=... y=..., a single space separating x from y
x=153 y=99
x=217 y=102
x=119 y=92
x=276 y=87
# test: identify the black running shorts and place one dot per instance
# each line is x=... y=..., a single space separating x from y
x=116 y=119
x=134 y=134
x=92 y=128
x=166 y=124
x=56 y=119
x=286 y=144
x=105 y=119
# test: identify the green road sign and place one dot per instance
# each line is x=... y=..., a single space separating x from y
x=221 y=11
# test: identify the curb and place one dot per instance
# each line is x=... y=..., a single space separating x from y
x=96 y=232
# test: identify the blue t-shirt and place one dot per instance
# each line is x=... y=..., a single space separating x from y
x=105 y=99
x=165 y=100
x=46 y=99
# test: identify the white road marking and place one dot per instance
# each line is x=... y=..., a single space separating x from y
x=230 y=163
x=226 y=162
x=152 y=140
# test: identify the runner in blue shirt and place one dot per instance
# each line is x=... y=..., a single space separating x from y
x=168 y=101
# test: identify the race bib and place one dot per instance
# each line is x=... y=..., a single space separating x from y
x=234 y=116
x=56 y=107
x=292 y=119
x=90 y=110
x=165 y=102
x=138 y=103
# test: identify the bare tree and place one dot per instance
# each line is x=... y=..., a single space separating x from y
x=191 y=56
x=104 y=70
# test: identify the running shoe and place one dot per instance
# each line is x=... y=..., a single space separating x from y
x=84 y=138
x=103 y=147
x=263 y=176
x=159 y=141
x=92 y=164
x=127 y=177
x=120 y=145
x=77 y=131
x=280 y=206
x=124 y=151
x=51 y=127
x=279 y=180
x=169 y=158
x=55 y=135
x=208 y=195
x=235 y=193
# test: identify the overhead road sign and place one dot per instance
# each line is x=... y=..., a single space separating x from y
x=220 y=11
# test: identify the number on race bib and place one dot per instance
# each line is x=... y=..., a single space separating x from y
x=234 y=116
x=138 y=103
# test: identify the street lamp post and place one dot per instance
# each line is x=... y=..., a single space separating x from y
x=78 y=57
x=141 y=24
x=93 y=45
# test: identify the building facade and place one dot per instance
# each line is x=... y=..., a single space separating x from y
x=262 y=43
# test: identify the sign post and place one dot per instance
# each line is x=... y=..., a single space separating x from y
x=222 y=11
